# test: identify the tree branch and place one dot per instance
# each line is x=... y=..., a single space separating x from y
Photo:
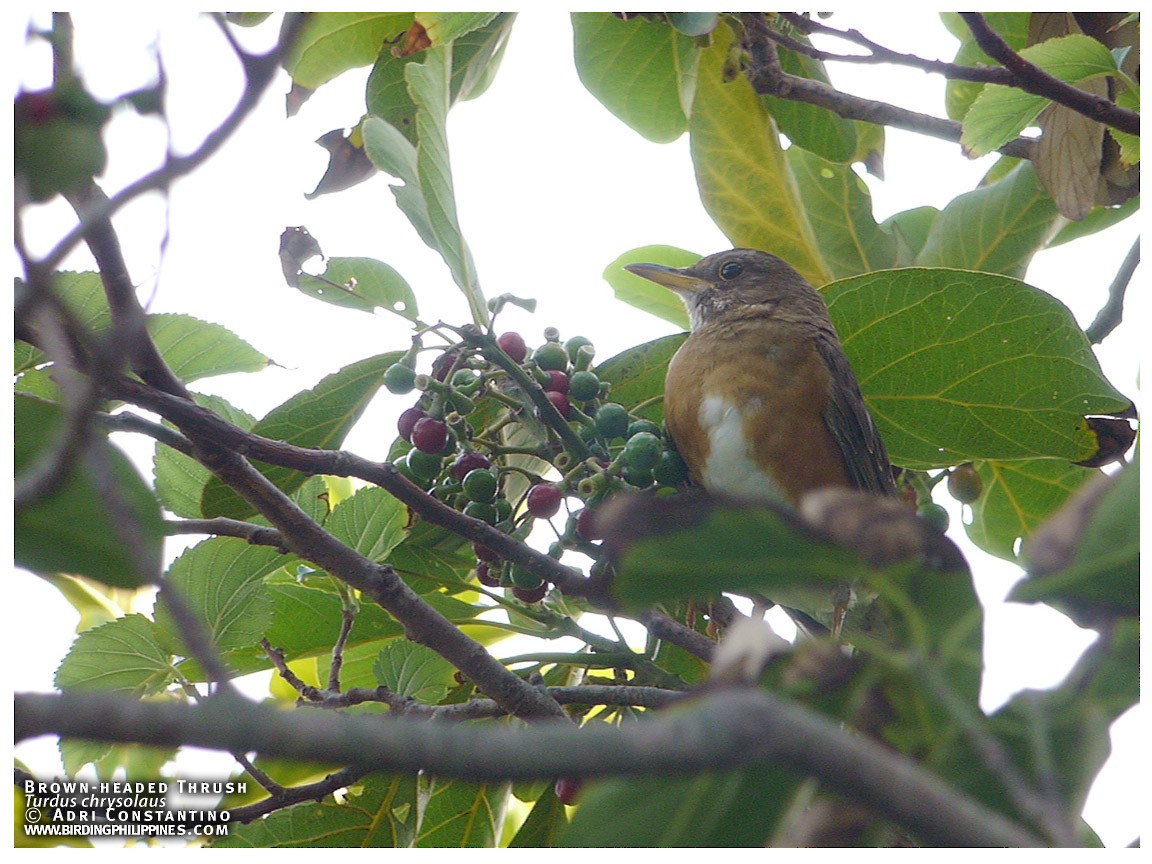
x=727 y=729
x=767 y=77
x=1112 y=312
x=1032 y=79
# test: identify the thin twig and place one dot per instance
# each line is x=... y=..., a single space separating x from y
x=1112 y=312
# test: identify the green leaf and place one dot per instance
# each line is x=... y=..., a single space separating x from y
x=121 y=656
x=331 y=43
x=394 y=154
x=1018 y=497
x=743 y=176
x=996 y=228
x=372 y=522
x=810 y=127
x=367 y=284
x=1013 y=29
x=637 y=374
x=909 y=230
x=637 y=70
x=428 y=84
x=1129 y=143
x=415 y=671
x=1099 y=219
x=1001 y=113
x=74 y=529
x=445 y=27
x=714 y=809
x=959 y=366
x=459 y=814
x=379 y=813
x=180 y=479
x=546 y=820
x=318 y=417
x=1100 y=579
x=839 y=208
x=199 y=349
x=644 y=294
x=220 y=581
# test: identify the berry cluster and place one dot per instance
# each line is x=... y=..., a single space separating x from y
x=463 y=441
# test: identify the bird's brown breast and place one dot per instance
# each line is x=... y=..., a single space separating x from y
x=745 y=402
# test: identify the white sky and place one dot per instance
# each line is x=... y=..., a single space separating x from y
x=551 y=188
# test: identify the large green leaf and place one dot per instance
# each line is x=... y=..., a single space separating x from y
x=75 y=529
x=414 y=671
x=367 y=285
x=372 y=522
x=743 y=176
x=442 y=28
x=393 y=153
x=1000 y=113
x=811 y=127
x=839 y=208
x=381 y=812
x=429 y=86
x=220 y=581
x=1100 y=577
x=996 y=228
x=545 y=822
x=637 y=374
x=318 y=417
x=1018 y=497
x=459 y=814
x=180 y=479
x=199 y=349
x=716 y=809
x=645 y=294
x=640 y=70
x=331 y=43
x=960 y=366
x=124 y=655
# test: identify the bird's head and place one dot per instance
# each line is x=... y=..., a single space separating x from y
x=738 y=282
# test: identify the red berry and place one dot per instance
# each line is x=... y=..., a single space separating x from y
x=408 y=421
x=512 y=344
x=586 y=527
x=560 y=403
x=531 y=595
x=469 y=461
x=544 y=500
x=429 y=435
x=557 y=382
x=484 y=575
x=567 y=788
x=484 y=553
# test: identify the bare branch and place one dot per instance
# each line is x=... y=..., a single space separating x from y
x=724 y=730
x=768 y=78
x=1112 y=312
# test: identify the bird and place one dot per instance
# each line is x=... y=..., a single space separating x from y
x=760 y=401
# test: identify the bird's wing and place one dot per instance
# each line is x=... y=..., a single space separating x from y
x=851 y=426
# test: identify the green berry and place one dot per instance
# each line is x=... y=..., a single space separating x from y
x=639 y=477
x=573 y=346
x=551 y=355
x=399 y=379
x=642 y=452
x=935 y=514
x=406 y=471
x=965 y=483
x=480 y=485
x=583 y=386
x=670 y=470
x=612 y=420
x=481 y=510
x=637 y=426
x=425 y=465
x=524 y=578
x=503 y=509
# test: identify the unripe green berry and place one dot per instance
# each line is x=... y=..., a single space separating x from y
x=670 y=470
x=399 y=379
x=583 y=386
x=612 y=420
x=935 y=514
x=425 y=465
x=523 y=578
x=550 y=356
x=481 y=510
x=642 y=452
x=480 y=485
x=965 y=483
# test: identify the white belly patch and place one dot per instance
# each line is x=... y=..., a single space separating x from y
x=730 y=468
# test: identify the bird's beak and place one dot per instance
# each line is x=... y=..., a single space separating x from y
x=680 y=281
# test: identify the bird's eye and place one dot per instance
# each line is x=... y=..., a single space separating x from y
x=731 y=269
